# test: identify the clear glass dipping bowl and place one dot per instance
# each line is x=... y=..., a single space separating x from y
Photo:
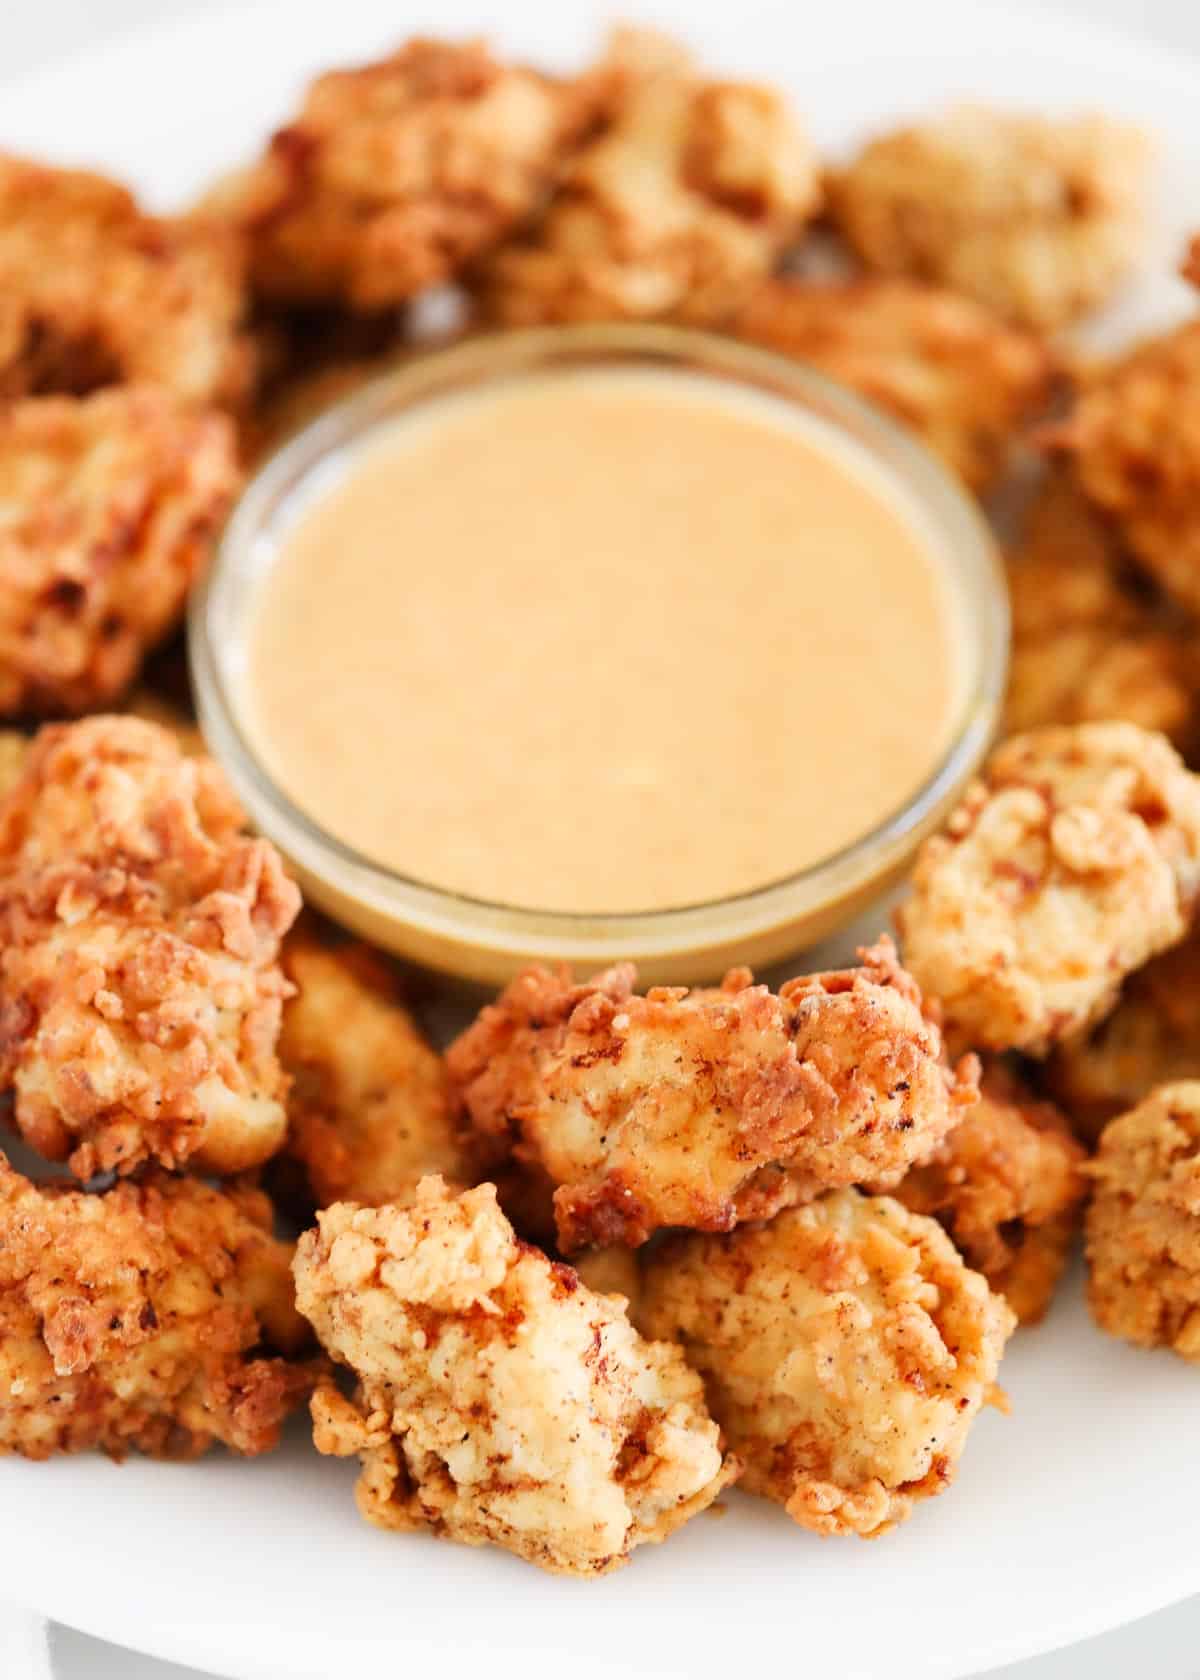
x=487 y=942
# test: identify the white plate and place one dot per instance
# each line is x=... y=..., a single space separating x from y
x=1080 y=1511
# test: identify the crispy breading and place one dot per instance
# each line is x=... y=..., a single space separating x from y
x=964 y=381
x=708 y=1107
x=108 y=507
x=1151 y=1038
x=393 y=175
x=1007 y=1186
x=845 y=1350
x=500 y=1401
x=136 y=1318
x=94 y=292
x=688 y=197
x=140 y=993
x=1039 y=217
x=14 y=749
x=1134 y=438
x=1070 y=862
x=369 y=1105
x=1088 y=647
x=1143 y=1225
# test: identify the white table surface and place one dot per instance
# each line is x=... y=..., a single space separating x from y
x=1163 y=1647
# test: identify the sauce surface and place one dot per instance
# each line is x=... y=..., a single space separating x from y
x=604 y=640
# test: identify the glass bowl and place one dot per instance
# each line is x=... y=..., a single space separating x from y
x=488 y=942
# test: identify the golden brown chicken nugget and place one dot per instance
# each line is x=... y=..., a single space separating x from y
x=500 y=1401
x=845 y=1349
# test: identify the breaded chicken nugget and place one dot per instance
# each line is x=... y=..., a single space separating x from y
x=499 y=1400
x=1151 y=1038
x=14 y=750
x=135 y=1319
x=1087 y=646
x=1038 y=217
x=369 y=1105
x=708 y=1107
x=1071 y=861
x=395 y=174
x=1135 y=441
x=845 y=1351
x=1143 y=1225
x=962 y=379
x=687 y=198
x=95 y=292
x=140 y=994
x=1007 y=1186
x=108 y=506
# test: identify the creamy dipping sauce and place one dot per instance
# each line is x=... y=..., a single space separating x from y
x=608 y=639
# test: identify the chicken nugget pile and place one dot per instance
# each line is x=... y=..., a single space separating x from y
x=616 y=1248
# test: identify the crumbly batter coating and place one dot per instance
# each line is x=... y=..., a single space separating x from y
x=845 y=1350
x=1038 y=217
x=1007 y=1186
x=369 y=1105
x=708 y=1107
x=140 y=993
x=1089 y=647
x=108 y=508
x=1151 y=1038
x=1134 y=438
x=394 y=174
x=688 y=197
x=135 y=1319
x=1070 y=862
x=965 y=381
x=1143 y=1225
x=500 y=1401
x=95 y=292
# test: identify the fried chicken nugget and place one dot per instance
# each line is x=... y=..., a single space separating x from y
x=1134 y=439
x=395 y=174
x=108 y=507
x=688 y=197
x=1007 y=1186
x=1143 y=1225
x=1038 y=217
x=1070 y=862
x=708 y=1107
x=499 y=1400
x=1087 y=647
x=95 y=292
x=965 y=381
x=369 y=1106
x=135 y=1319
x=1151 y=1038
x=140 y=994
x=845 y=1350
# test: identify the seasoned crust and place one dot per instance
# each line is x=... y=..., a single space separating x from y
x=1134 y=438
x=140 y=993
x=94 y=292
x=135 y=1319
x=499 y=1400
x=110 y=506
x=845 y=1350
x=1143 y=1225
x=1070 y=862
x=1038 y=217
x=708 y=1107
x=964 y=380
x=688 y=197
x=1088 y=645
x=1007 y=1186
x=394 y=174
x=369 y=1104
x=1151 y=1038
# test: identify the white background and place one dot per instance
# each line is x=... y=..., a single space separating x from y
x=1164 y=1647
